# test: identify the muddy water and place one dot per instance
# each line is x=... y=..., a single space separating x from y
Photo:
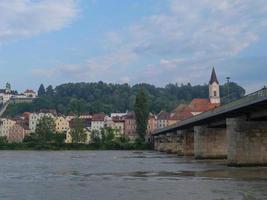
x=119 y=175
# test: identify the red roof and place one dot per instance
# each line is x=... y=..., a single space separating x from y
x=201 y=105
x=29 y=91
x=182 y=112
x=163 y=115
x=99 y=117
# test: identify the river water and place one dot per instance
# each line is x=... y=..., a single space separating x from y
x=123 y=175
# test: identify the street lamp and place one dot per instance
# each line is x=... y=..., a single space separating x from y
x=228 y=87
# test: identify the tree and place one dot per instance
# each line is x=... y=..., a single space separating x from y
x=45 y=129
x=49 y=91
x=41 y=90
x=59 y=138
x=3 y=140
x=103 y=97
x=107 y=135
x=96 y=137
x=77 y=106
x=141 y=109
x=78 y=133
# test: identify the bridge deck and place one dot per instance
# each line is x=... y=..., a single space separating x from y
x=222 y=111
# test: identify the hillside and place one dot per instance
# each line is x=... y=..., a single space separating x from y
x=103 y=97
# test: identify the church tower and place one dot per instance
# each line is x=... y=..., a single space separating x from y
x=214 y=88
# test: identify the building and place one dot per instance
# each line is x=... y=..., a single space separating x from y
x=163 y=119
x=195 y=107
x=34 y=119
x=8 y=94
x=30 y=93
x=87 y=132
x=5 y=125
x=118 y=125
x=18 y=132
x=62 y=124
x=98 y=121
x=151 y=125
x=130 y=125
x=214 y=89
x=117 y=115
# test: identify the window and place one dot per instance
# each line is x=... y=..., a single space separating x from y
x=215 y=93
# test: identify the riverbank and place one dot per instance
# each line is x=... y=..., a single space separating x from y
x=55 y=147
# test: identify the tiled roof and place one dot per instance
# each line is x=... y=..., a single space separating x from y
x=29 y=91
x=201 y=105
x=163 y=115
x=99 y=117
x=181 y=113
x=130 y=115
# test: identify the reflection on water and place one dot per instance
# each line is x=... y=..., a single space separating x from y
x=124 y=175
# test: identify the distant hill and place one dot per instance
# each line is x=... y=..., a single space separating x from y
x=103 y=97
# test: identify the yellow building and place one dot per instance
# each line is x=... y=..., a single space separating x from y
x=62 y=124
x=6 y=124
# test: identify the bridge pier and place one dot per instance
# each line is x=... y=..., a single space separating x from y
x=156 y=143
x=247 y=142
x=188 y=142
x=162 y=143
x=180 y=143
x=210 y=143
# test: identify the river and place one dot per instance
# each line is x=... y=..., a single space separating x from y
x=123 y=175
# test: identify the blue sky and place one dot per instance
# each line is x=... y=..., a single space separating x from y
x=118 y=41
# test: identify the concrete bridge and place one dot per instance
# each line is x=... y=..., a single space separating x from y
x=236 y=131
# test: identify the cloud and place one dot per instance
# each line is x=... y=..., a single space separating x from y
x=24 y=18
x=179 y=44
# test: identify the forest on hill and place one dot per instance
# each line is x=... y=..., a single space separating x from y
x=104 y=97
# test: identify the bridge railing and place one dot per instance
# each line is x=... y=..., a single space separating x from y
x=255 y=96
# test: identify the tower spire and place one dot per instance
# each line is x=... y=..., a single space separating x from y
x=213 y=77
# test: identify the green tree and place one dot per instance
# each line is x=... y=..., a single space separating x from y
x=41 y=90
x=78 y=133
x=108 y=135
x=96 y=137
x=77 y=106
x=45 y=130
x=59 y=138
x=141 y=109
x=3 y=140
x=49 y=91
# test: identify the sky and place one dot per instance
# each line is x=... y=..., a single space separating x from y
x=126 y=41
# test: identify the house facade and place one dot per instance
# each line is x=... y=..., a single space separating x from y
x=5 y=125
x=18 y=132
x=34 y=119
x=98 y=121
x=62 y=124
x=130 y=125
x=163 y=119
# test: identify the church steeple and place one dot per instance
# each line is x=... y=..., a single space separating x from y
x=214 y=88
x=213 y=77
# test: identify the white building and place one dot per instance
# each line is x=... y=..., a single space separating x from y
x=34 y=119
x=214 y=89
x=98 y=121
x=30 y=93
x=117 y=115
